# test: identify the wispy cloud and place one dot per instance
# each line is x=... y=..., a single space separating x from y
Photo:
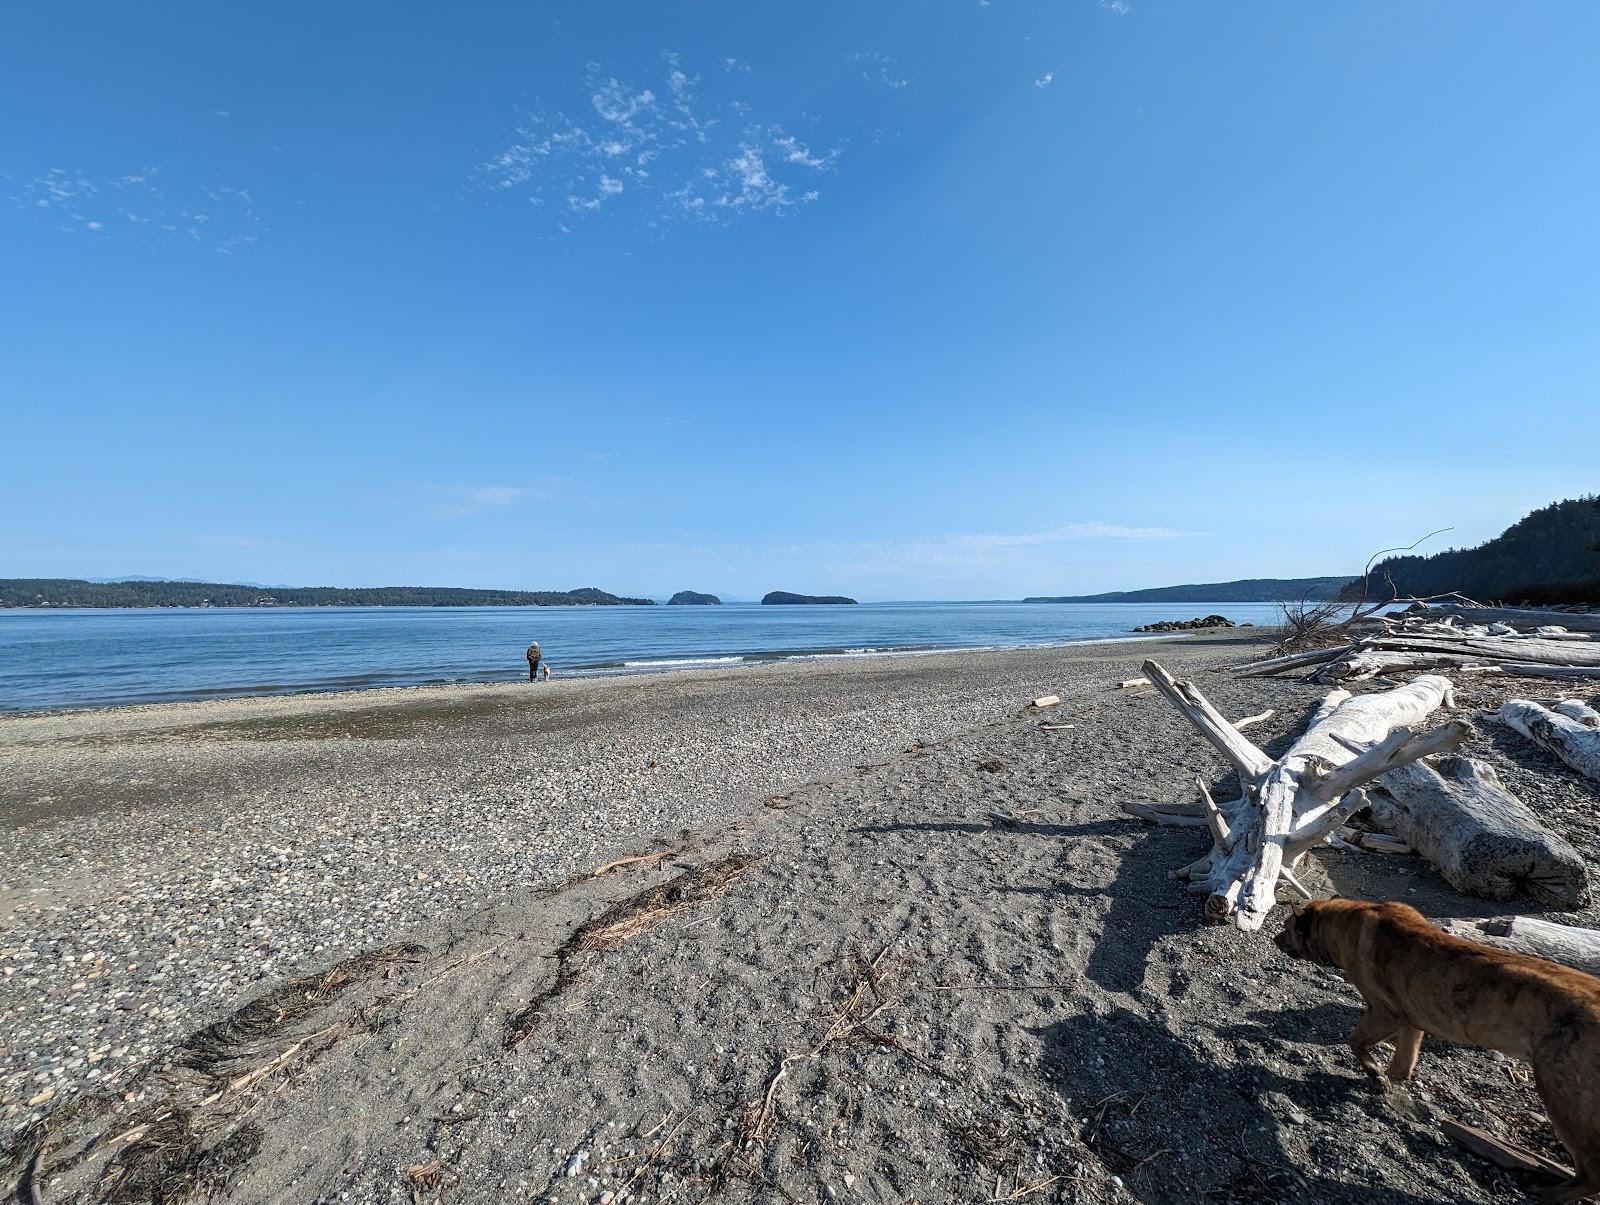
x=456 y=500
x=1044 y=80
x=941 y=553
x=147 y=203
x=659 y=148
x=880 y=68
x=1065 y=533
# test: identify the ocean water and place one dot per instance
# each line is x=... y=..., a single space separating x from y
x=88 y=658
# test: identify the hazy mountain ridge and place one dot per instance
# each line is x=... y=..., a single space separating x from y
x=74 y=592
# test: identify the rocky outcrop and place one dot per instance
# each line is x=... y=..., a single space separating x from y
x=691 y=598
x=782 y=598
x=1187 y=625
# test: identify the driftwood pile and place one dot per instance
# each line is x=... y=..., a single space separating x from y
x=1294 y=803
x=1422 y=641
x=1364 y=753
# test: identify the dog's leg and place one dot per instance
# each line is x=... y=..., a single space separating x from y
x=1376 y=1026
x=1580 y=1135
x=1407 y=1049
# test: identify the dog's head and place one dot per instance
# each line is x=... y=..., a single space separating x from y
x=1301 y=935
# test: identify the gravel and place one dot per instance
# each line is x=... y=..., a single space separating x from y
x=164 y=863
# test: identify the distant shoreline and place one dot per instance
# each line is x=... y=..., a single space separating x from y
x=62 y=593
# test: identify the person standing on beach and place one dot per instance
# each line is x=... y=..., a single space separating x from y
x=533 y=661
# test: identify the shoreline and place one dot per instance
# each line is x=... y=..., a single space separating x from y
x=192 y=853
x=586 y=673
x=580 y=928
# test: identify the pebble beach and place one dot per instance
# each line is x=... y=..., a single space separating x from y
x=870 y=930
x=163 y=863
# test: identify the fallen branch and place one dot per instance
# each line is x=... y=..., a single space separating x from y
x=601 y=871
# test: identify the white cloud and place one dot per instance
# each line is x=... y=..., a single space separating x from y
x=217 y=216
x=1044 y=80
x=674 y=153
x=882 y=69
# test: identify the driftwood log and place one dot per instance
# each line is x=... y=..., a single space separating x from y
x=1565 y=944
x=1572 y=740
x=1484 y=841
x=1575 y=709
x=1564 y=673
x=1517 y=617
x=1496 y=648
x=1298 y=801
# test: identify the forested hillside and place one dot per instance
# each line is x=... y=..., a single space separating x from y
x=69 y=592
x=1550 y=556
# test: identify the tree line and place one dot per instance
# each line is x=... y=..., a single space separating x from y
x=1547 y=557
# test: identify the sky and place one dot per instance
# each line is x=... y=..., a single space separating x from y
x=935 y=300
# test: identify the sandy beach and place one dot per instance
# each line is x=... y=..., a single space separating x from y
x=886 y=938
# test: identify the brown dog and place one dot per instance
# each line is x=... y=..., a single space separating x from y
x=1418 y=980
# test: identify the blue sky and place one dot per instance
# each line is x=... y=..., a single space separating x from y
x=933 y=300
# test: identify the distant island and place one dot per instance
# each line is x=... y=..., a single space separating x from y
x=72 y=592
x=1250 y=589
x=782 y=598
x=691 y=598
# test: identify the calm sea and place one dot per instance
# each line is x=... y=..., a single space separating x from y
x=90 y=658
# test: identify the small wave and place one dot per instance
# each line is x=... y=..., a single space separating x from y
x=681 y=662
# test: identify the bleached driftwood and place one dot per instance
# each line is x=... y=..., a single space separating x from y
x=1459 y=816
x=1367 y=663
x=1575 y=709
x=1569 y=739
x=1279 y=665
x=1259 y=717
x=1299 y=800
x=1564 y=673
x=1413 y=642
x=1494 y=648
x=1565 y=944
x=1378 y=843
x=1519 y=617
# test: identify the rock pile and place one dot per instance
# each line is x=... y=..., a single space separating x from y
x=1187 y=625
